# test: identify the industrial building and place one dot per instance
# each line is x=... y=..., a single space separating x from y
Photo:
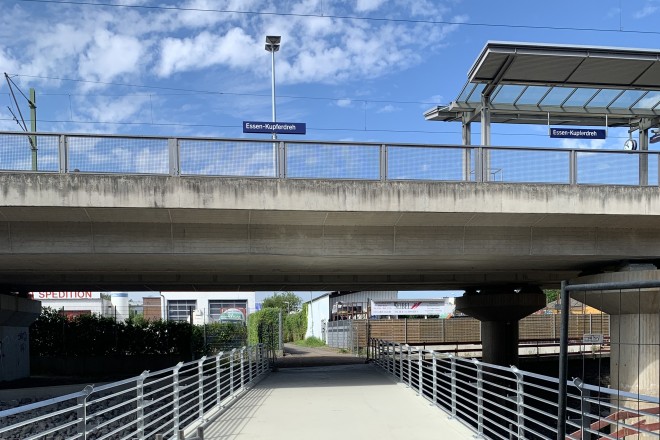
x=207 y=307
x=75 y=303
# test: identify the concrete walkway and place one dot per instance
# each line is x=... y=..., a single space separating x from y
x=338 y=402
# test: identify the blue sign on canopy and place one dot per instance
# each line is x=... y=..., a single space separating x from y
x=274 y=127
x=577 y=133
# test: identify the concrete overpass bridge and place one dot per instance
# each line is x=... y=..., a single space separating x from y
x=143 y=213
x=312 y=215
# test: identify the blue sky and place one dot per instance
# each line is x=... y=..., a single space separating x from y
x=360 y=70
x=199 y=71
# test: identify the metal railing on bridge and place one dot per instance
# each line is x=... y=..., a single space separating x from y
x=258 y=158
x=169 y=404
x=507 y=403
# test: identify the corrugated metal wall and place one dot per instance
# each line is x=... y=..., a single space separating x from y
x=364 y=296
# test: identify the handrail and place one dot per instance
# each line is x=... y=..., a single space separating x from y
x=166 y=402
x=83 y=153
x=504 y=402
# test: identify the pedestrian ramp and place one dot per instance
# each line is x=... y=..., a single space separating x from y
x=346 y=401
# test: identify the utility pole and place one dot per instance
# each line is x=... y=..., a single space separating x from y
x=32 y=102
x=33 y=127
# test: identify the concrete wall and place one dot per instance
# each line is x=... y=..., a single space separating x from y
x=14 y=352
x=155 y=193
x=16 y=315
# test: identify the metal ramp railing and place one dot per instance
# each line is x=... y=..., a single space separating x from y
x=499 y=402
x=171 y=403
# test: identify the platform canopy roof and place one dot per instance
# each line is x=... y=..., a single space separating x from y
x=526 y=83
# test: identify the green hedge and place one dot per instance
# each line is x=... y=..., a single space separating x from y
x=263 y=326
x=295 y=325
x=55 y=335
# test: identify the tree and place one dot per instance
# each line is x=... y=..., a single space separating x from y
x=287 y=302
x=551 y=295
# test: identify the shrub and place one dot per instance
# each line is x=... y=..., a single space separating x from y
x=54 y=335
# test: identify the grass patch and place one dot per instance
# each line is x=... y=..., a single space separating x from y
x=312 y=341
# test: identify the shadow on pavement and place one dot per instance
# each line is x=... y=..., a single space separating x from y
x=296 y=356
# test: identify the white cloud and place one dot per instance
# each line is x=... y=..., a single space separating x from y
x=388 y=109
x=110 y=55
x=151 y=46
x=344 y=102
x=234 y=49
x=113 y=109
x=368 y=5
x=648 y=9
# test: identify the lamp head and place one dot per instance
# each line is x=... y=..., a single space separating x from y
x=273 y=43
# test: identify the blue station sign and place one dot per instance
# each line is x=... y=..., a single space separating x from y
x=577 y=133
x=274 y=127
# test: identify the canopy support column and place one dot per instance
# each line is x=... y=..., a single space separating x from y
x=644 y=126
x=485 y=135
x=466 y=120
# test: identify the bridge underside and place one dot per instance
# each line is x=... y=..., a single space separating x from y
x=175 y=233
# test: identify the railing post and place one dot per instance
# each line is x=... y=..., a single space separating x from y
x=200 y=386
x=218 y=379
x=391 y=366
x=520 y=401
x=82 y=412
x=480 y=398
x=572 y=167
x=242 y=367
x=420 y=374
x=479 y=165
x=383 y=163
x=434 y=371
x=174 y=157
x=175 y=397
x=260 y=362
x=140 y=404
x=249 y=352
x=281 y=160
x=401 y=362
x=232 y=355
x=409 y=363
x=452 y=360
x=63 y=153
x=585 y=420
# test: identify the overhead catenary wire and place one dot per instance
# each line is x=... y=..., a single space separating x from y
x=348 y=17
x=309 y=128
x=11 y=85
x=203 y=92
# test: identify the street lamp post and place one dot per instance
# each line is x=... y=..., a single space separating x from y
x=272 y=46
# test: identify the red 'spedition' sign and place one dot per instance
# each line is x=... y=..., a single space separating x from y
x=66 y=295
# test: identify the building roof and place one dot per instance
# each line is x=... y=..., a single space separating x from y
x=559 y=84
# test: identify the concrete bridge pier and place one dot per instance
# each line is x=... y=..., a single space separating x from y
x=16 y=315
x=499 y=309
x=634 y=329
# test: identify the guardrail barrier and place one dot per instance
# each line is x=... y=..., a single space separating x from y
x=167 y=403
x=258 y=158
x=507 y=403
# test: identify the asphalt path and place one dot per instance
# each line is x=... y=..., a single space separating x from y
x=296 y=356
